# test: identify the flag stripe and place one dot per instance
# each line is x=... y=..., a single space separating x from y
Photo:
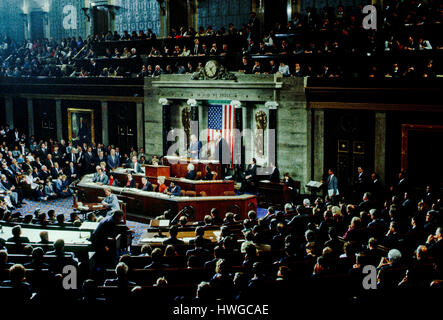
x=221 y=118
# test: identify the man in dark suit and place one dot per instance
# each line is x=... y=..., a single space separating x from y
x=90 y=161
x=146 y=185
x=8 y=172
x=401 y=186
x=275 y=174
x=17 y=236
x=43 y=151
x=122 y=282
x=367 y=203
x=173 y=232
x=63 y=258
x=71 y=172
x=130 y=183
x=208 y=175
x=222 y=153
x=49 y=162
x=71 y=157
x=191 y=175
x=173 y=190
x=362 y=182
x=44 y=173
x=100 y=156
x=250 y=175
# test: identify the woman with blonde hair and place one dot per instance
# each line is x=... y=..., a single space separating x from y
x=161 y=184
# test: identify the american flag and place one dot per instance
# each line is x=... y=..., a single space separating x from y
x=221 y=118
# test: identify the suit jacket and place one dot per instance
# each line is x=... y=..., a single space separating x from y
x=333 y=183
x=147 y=187
x=71 y=157
x=132 y=184
x=176 y=191
x=26 y=167
x=15 y=169
x=113 y=162
x=59 y=186
x=208 y=176
x=252 y=171
x=138 y=167
x=275 y=175
x=222 y=152
x=89 y=159
x=102 y=179
x=43 y=175
x=191 y=175
x=6 y=184
x=55 y=173
x=49 y=190
x=194 y=149
x=112 y=203
x=49 y=163
x=70 y=172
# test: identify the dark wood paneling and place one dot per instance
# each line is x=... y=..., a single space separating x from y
x=20 y=114
x=123 y=125
x=45 y=125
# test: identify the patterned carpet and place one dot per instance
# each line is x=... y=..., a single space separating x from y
x=64 y=206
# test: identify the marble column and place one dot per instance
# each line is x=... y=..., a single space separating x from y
x=166 y=123
x=31 y=118
x=194 y=125
x=9 y=112
x=105 y=128
x=271 y=135
x=58 y=119
x=239 y=157
x=380 y=145
x=319 y=144
x=140 y=135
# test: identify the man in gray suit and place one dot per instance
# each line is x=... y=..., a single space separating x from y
x=332 y=183
x=100 y=177
x=111 y=202
x=49 y=190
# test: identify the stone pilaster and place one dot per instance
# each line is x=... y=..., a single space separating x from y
x=105 y=128
x=380 y=145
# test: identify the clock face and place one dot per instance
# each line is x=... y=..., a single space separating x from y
x=211 y=68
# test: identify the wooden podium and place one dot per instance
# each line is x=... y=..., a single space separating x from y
x=157 y=171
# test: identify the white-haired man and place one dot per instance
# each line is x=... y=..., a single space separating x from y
x=390 y=272
x=191 y=175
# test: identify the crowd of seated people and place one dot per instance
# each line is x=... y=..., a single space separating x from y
x=407 y=27
x=46 y=170
x=308 y=245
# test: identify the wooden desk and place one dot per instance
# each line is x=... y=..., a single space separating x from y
x=150 y=237
x=157 y=171
x=212 y=187
x=88 y=207
x=152 y=204
x=179 y=166
x=71 y=237
x=275 y=193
